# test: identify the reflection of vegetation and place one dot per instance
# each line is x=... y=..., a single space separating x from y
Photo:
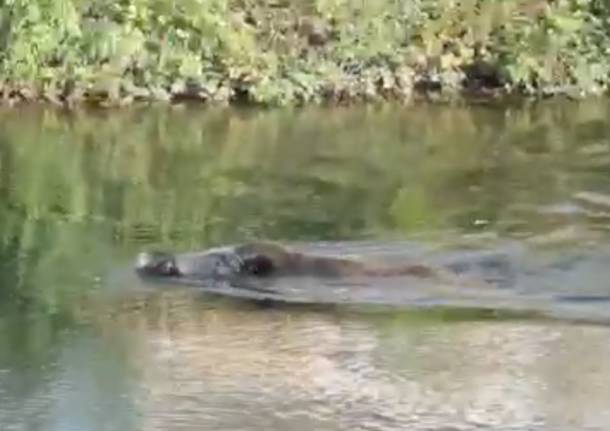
x=29 y=349
x=52 y=367
x=288 y=51
x=75 y=187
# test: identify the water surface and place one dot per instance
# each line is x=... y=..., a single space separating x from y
x=85 y=345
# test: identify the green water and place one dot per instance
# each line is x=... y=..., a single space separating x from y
x=80 y=194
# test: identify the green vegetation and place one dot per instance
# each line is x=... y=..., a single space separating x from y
x=295 y=51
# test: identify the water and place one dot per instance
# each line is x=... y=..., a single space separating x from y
x=84 y=344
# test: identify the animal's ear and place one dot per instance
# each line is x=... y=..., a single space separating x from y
x=259 y=264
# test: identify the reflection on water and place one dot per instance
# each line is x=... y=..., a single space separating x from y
x=83 y=347
x=175 y=363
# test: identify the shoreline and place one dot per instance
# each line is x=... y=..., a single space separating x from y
x=23 y=95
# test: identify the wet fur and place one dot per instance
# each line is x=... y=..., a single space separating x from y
x=271 y=259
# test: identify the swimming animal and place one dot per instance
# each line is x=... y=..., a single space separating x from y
x=264 y=260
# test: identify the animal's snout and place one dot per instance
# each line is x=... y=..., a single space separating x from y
x=143 y=260
x=156 y=263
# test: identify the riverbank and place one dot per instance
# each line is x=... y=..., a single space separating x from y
x=274 y=52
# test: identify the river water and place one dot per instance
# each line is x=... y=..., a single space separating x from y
x=85 y=345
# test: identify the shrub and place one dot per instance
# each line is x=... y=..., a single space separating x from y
x=284 y=52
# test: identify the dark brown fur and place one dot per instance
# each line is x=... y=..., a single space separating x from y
x=267 y=259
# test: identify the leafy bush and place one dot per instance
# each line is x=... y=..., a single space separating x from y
x=284 y=52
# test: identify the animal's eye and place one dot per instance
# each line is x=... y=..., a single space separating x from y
x=259 y=265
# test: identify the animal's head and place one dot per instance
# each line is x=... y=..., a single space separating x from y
x=157 y=264
x=213 y=264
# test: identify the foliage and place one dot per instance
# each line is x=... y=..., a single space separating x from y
x=285 y=52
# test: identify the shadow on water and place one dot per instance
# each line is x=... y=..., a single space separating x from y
x=85 y=345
